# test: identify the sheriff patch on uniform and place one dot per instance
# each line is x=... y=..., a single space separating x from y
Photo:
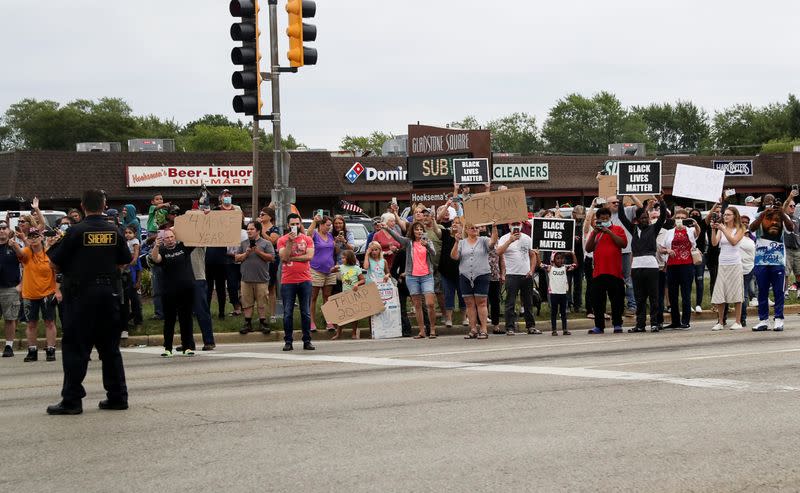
x=99 y=238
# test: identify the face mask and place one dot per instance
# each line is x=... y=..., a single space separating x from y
x=605 y=224
x=227 y=200
x=64 y=228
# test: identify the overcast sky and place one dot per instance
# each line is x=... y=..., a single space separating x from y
x=383 y=65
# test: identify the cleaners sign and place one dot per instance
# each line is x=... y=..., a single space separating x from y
x=556 y=235
x=639 y=178
x=189 y=176
x=471 y=171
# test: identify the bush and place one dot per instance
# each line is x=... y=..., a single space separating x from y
x=147 y=284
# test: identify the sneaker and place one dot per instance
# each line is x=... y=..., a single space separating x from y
x=636 y=330
x=793 y=287
x=266 y=329
x=736 y=326
x=718 y=327
x=753 y=302
x=554 y=333
x=166 y=354
x=762 y=326
x=510 y=332
x=698 y=309
x=590 y=315
x=595 y=330
x=33 y=354
x=330 y=327
x=288 y=346
x=778 y=325
x=209 y=347
x=566 y=332
x=771 y=303
x=8 y=352
x=534 y=331
x=654 y=328
x=50 y=354
x=308 y=346
x=465 y=322
x=188 y=352
x=448 y=323
x=247 y=328
x=124 y=334
x=618 y=329
x=683 y=327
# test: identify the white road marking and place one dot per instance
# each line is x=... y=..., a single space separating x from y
x=707 y=383
x=532 y=346
x=696 y=358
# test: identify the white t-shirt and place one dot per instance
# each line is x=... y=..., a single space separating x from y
x=629 y=212
x=132 y=244
x=748 y=252
x=517 y=256
x=557 y=280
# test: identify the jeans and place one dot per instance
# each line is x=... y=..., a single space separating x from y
x=575 y=280
x=680 y=277
x=699 y=273
x=233 y=276
x=202 y=311
x=604 y=287
x=558 y=303
x=517 y=284
x=178 y=304
x=215 y=279
x=494 y=302
x=451 y=288
x=645 y=287
x=626 y=273
x=662 y=285
x=155 y=287
x=769 y=276
x=301 y=291
x=588 y=275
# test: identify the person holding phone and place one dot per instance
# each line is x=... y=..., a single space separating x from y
x=679 y=243
x=606 y=241
x=255 y=255
x=296 y=251
x=520 y=261
x=324 y=267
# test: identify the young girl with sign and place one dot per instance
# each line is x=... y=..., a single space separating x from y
x=352 y=278
x=558 y=288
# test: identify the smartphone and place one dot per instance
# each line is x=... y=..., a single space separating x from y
x=729 y=192
x=319 y=213
x=794 y=187
x=294 y=229
x=394 y=200
x=425 y=236
x=516 y=229
x=688 y=223
x=252 y=243
x=600 y=201
x=160 y=234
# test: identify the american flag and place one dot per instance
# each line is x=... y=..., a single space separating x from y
x=343 y=204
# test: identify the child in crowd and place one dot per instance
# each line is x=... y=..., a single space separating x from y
x=352 y=278
x=132 y=285
x=558 y=288
x=157 y=214
x=375 y=267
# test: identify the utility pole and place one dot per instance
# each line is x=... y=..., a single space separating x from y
x=279 y=193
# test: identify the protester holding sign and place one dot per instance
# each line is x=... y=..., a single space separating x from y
x=606 y=241
x=558 y=288
x=644 y=264
x=520 y=260
x=472 y=252
x=679 y=243
x=770 y=261
x=730 y=286
x=419 y=273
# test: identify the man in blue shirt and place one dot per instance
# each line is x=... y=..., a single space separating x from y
x=770 y=262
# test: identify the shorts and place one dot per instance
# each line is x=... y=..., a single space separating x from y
x=253 y=293
x=419 y=284
x=793 y=262
x=479 y=287
x=46 y=306
x=9 y=303
x=318 y=279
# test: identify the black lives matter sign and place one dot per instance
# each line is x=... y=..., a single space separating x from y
x=557 y=235
x=471 y=171
x=639 y=178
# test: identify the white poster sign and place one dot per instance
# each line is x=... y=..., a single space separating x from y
x=387 y=324
x=694 y=182
x=189 y=176
x=744 y=210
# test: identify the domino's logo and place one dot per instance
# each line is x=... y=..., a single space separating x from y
x=354 y=173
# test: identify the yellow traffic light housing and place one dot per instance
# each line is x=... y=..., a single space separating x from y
x=300 y=32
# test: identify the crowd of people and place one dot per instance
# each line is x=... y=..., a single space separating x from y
x=639 y=260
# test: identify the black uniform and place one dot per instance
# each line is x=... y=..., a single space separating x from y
x=89 y=256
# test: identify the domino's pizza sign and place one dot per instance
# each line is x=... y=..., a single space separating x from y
x=354 y=173
x=741 y=167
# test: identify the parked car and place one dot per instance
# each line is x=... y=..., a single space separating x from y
x=50 y=216
x=360 y=235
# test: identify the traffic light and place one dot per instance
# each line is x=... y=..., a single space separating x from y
x=300 y=32
x=248 y=56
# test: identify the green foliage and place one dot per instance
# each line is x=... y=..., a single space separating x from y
x=207 y=138
x=587 y=125
x=774 y=146
x=682 y=127
x=469 y=122
x=516 y=132
x=373 y=142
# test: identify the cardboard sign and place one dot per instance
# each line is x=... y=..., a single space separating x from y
x=215 y=229
x=349 y=306
x=694 y=182
x=556 y=235
x=501 y=206
x=639 y=177
x=606 y=186
x=471 y=171
x=387 y=324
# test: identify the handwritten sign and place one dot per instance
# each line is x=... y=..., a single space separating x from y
x=471 y=171
x=550 y=234
x=606 y=186
x=501 y=206
x=639 y=177
x=215 y=229
x=349 y=306
x=694 y=182
x=387 y=324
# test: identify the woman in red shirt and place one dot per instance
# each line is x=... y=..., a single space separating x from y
x=389 y=245
x=679 y=243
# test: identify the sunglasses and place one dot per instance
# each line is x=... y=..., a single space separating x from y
x=22 y=221
x=473 y=227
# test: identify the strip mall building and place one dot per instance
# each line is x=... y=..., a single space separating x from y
x=321 y=180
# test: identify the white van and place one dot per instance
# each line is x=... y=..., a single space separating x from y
x=50 y=216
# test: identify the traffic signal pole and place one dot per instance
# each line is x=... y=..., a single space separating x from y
x=280 y=169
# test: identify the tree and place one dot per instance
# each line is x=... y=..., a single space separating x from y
x=516 y=132
x=744 y=128
x=469 y=122
x=373 y=142
x=151 y=126
x=207 y=138
x=793 y=115
x=680 y=128
x=211 y=120
x=587 y=125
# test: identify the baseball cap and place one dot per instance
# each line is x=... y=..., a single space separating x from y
x=750 y=198
x=112 y=213
x=3 y=224
x=225 y=191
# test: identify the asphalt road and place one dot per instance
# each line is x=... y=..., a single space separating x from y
x=675 y=411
